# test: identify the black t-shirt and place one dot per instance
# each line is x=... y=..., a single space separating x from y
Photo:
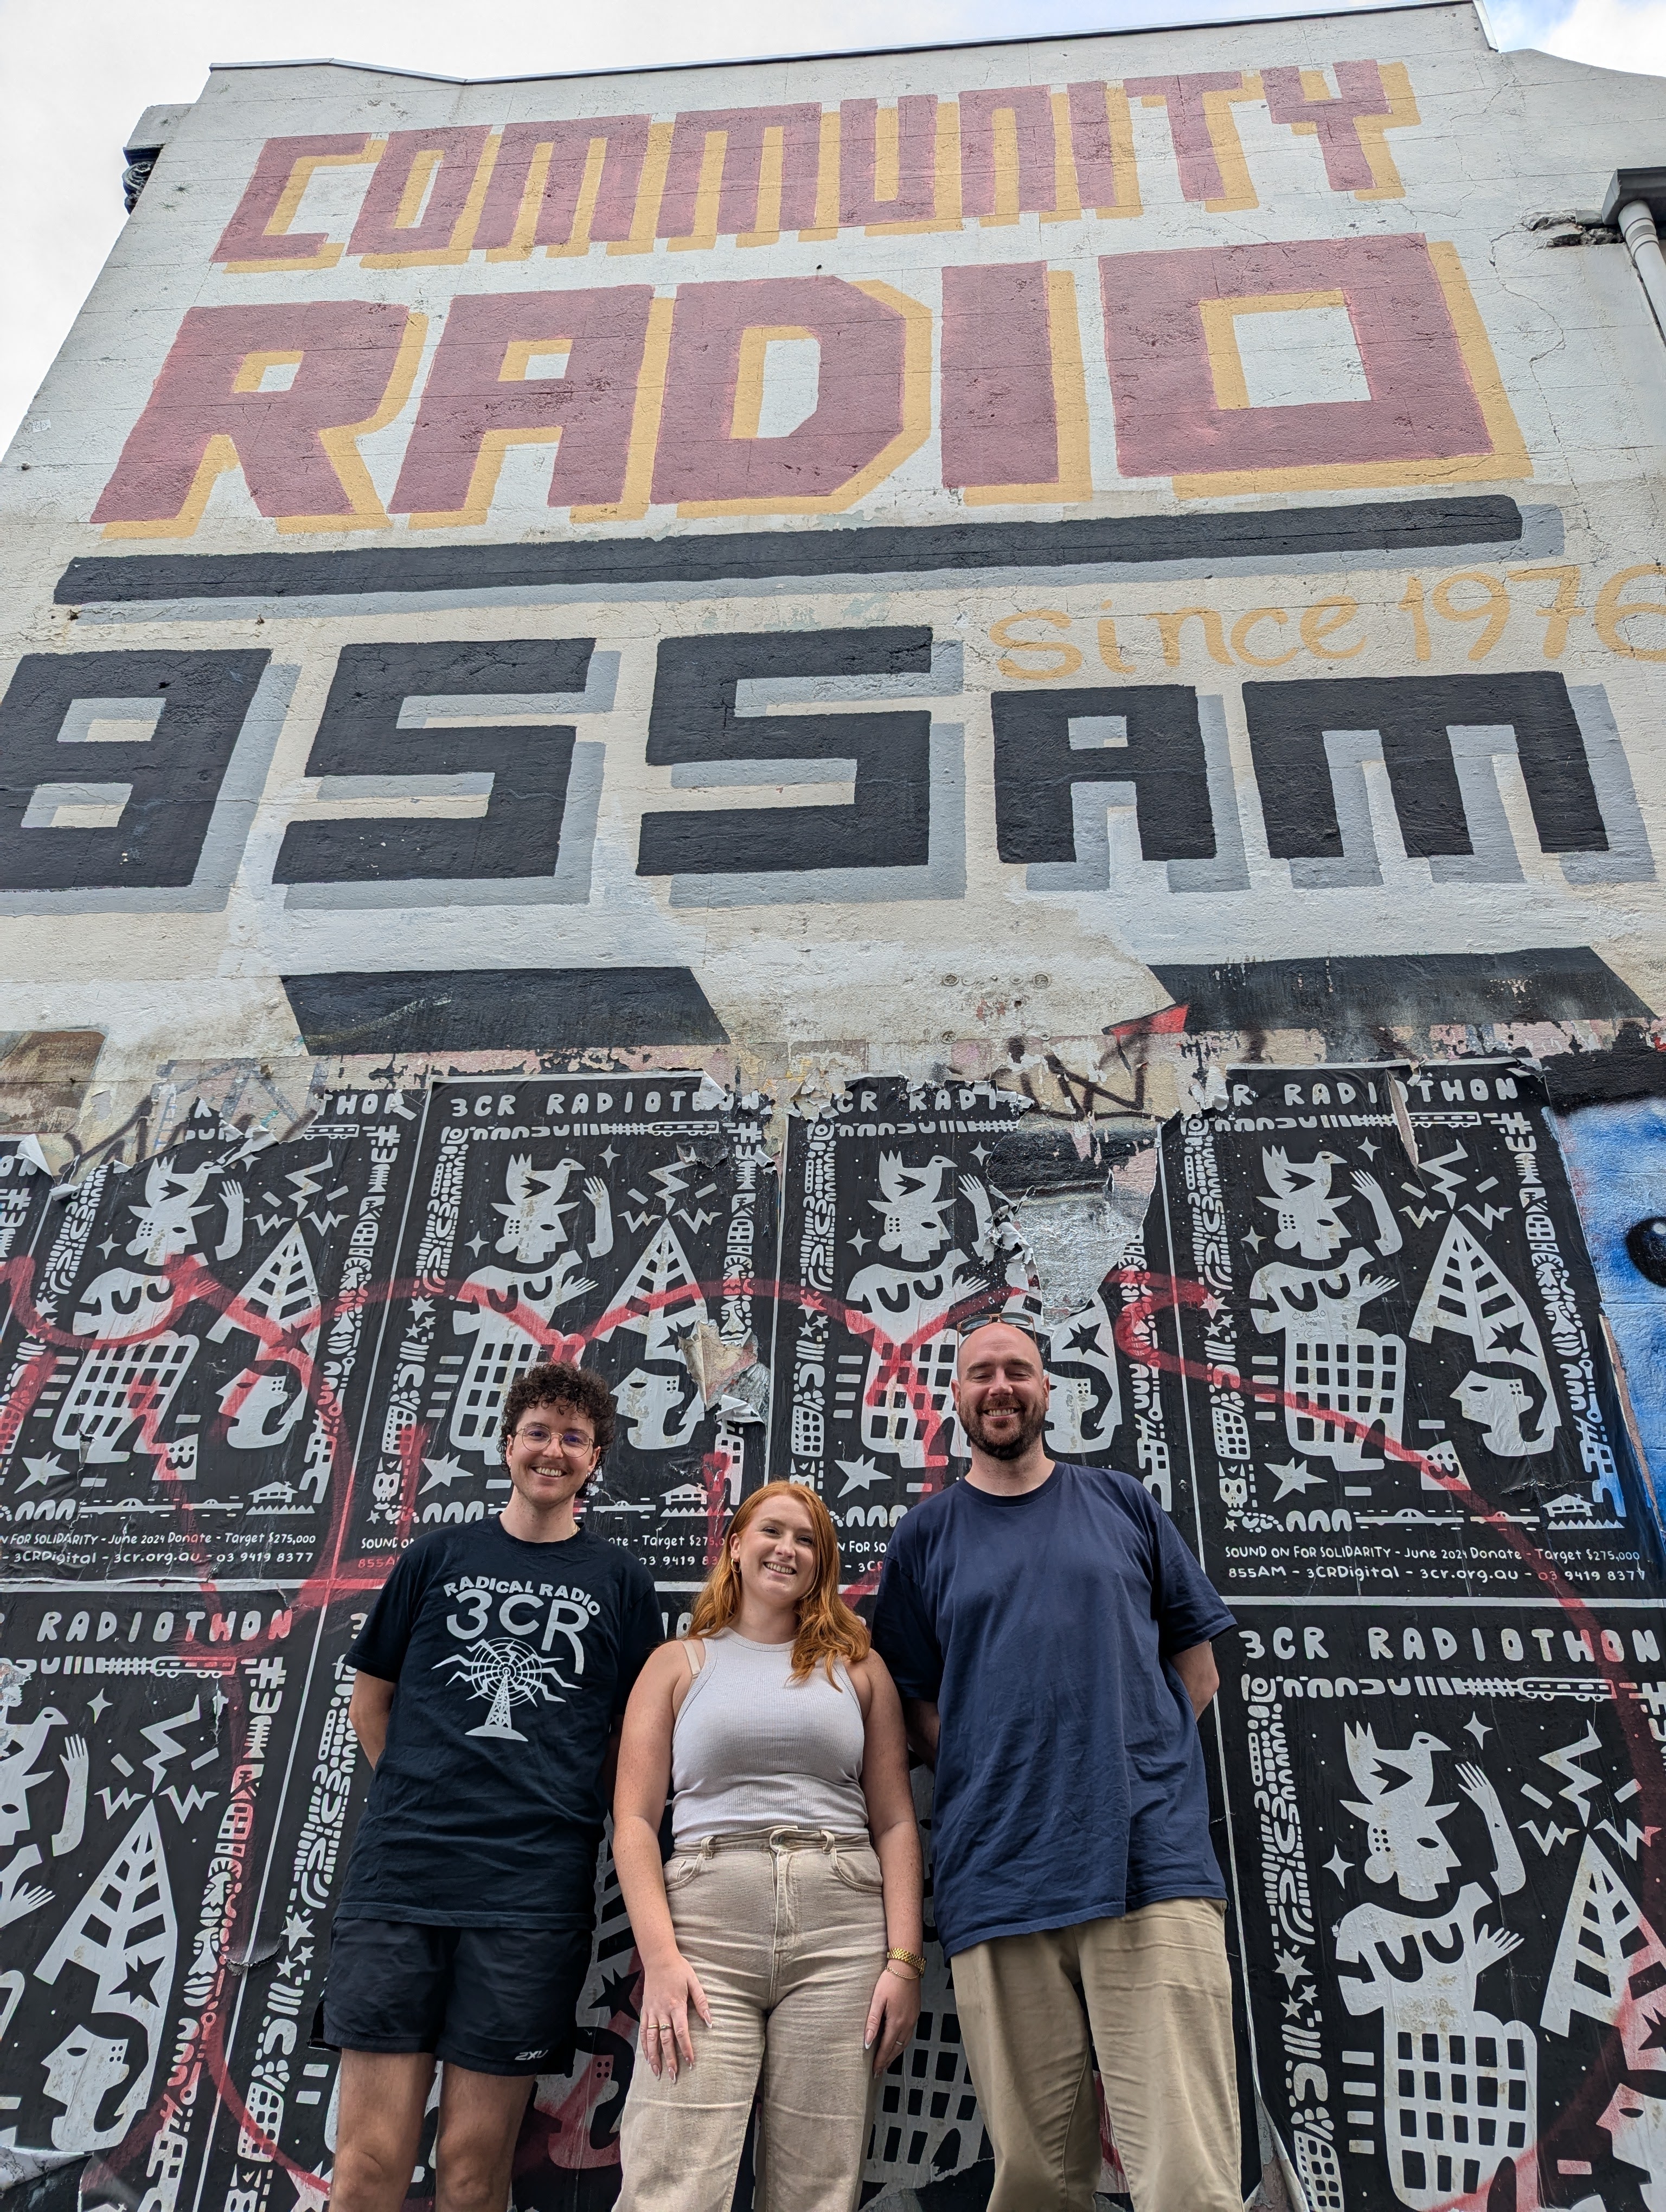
x=512 y=1662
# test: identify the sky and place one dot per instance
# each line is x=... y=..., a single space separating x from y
x=75 y=86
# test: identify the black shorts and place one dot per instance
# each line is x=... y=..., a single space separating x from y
x=495 y=2000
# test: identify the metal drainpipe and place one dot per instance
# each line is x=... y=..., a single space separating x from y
x=1637 y=228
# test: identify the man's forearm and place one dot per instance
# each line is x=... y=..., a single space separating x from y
x=919 y=1717
x=1198 y=1675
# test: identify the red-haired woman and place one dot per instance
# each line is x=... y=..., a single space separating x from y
x=783 y=1935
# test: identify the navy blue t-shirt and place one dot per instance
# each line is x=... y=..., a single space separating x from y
x=512 y=1661
x=1069 y=1769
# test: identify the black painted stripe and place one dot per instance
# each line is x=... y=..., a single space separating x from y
x=501 y=1009
x=1407 y=525
x=1341 y=994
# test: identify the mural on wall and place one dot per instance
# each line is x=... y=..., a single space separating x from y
x=912 y=1211
x=618 y=1220
x=1415 y=1486
x=1393 y=1262
x=590 y=614
x=1438 y=1538
x=182 y=1370
x=824 y=492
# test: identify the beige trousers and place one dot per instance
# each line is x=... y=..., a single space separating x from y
x=1150 y=1993
x=787 y=1932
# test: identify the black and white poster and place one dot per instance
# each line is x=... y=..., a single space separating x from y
x=911 y=1210
x=623 y=1222
x=181 y=1378
x=1449 y=1831
x=139 y=1732
x=1342 y=1326
x=24 y=1183
x=1395 y=1372
x=265 y=2141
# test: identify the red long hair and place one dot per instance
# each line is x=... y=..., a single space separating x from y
x=828 y=1628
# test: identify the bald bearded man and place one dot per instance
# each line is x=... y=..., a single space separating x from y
x=1050 y=1635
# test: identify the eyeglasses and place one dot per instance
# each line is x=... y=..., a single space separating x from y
x=570 y=1440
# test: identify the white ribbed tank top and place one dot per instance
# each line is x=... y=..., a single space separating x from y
x=752 y=1749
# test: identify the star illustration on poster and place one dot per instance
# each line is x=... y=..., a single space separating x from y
x=264 y=1401
x=659 y=1398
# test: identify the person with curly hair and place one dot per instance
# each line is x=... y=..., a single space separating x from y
x=492 y=1675
x=781 y=1944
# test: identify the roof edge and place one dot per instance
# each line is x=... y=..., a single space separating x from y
x=853 y=53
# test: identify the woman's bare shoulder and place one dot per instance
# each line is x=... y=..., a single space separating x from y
x=669 y=1663
x=870 y=1674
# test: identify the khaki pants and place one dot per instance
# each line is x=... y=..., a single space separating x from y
x=1150 y=1993
x=787 y=1932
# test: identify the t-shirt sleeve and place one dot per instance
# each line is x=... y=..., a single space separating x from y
x=1187 y=1604
x=380 y=1645
x=640 y=1630
x=902 y=1633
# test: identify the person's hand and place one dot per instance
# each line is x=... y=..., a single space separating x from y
x=668 y=1992
x=891 y=2017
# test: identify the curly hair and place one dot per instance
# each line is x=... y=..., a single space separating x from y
x=562 y=1384
x=828 y=1628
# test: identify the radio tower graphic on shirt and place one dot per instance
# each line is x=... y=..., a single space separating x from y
x=509 y=1673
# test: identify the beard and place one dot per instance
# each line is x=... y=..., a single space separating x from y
x=1005 y=1447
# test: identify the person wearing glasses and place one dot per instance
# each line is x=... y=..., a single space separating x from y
x=492 y=1675
x=781 y=1944
x=1050 y=1635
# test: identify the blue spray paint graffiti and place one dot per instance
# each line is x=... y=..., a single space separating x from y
x=1616 y=1157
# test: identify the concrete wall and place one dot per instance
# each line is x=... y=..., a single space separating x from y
x=728 y=713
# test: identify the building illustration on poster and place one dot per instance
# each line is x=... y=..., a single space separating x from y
x=714 y=720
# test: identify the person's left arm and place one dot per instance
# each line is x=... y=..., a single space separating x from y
x=1200 y=1677
x=1189 y=1612
x=896 y=2007
x=641 y=1633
